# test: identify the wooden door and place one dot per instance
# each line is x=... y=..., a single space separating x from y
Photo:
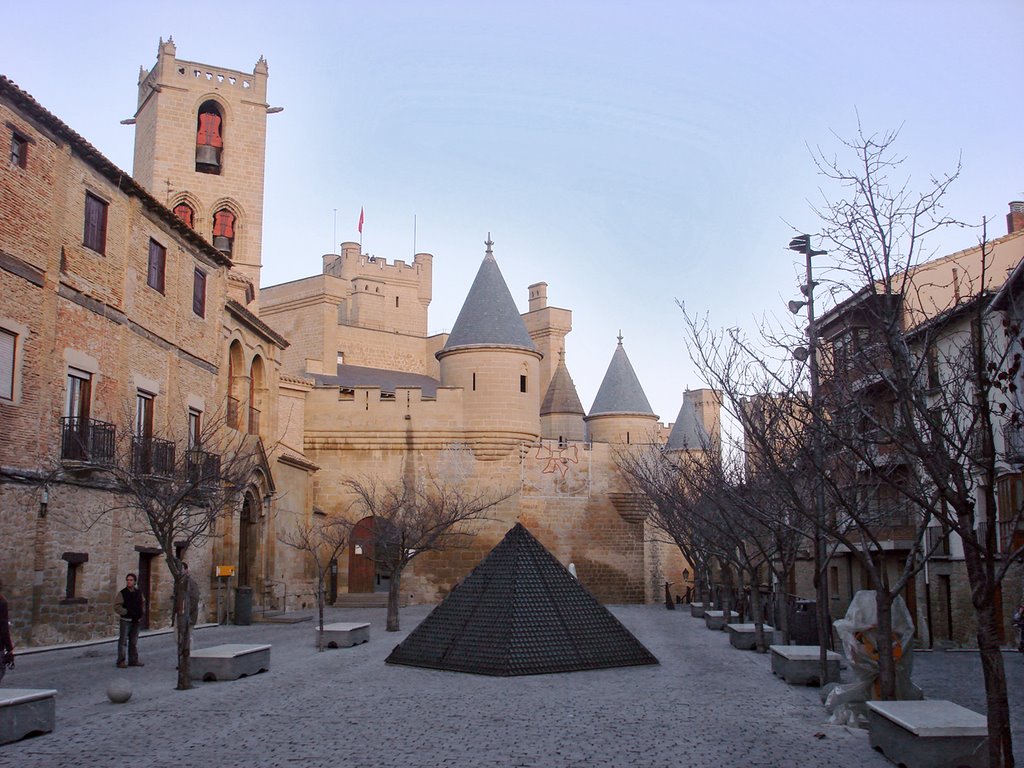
x=361 y=567
x=144 y=585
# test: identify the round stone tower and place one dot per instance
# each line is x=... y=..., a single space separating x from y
x=490 y=356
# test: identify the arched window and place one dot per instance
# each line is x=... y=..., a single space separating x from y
x=209 y=138
x=184 y=212
x=223 y=230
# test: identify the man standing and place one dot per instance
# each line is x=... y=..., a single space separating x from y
x=129 y=605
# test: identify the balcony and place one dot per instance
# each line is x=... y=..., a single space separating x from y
x=1013 y=442
x=87 y=441
x=152 y=456
x=202 y=468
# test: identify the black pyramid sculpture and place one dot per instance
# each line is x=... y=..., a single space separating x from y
x=520 y=612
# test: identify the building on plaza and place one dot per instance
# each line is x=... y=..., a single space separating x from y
x=132 y=304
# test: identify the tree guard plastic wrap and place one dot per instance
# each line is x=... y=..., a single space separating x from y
x=858 y=631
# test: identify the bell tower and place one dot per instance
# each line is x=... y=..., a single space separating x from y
x=200 y=146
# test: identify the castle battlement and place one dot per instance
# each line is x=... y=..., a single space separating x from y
x=353 y=265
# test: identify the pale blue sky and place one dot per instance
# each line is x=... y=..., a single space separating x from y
x=628 y=154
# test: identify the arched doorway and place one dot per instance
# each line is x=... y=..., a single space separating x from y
x=248 y=541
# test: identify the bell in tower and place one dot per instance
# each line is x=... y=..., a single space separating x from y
x=209 y=141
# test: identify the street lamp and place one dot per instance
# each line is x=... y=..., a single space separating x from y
x=802 y=244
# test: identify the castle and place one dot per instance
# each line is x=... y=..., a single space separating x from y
x=334 y=375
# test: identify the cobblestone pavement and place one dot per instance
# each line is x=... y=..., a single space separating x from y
x=706 y=704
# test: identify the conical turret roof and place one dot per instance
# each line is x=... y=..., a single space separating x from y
x=688 y=432
x=520 y=612
x=620 y=391
x=489 y=317
x=561 y=396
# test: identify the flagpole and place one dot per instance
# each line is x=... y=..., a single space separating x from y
x=360 y=229
x=414 y=235
x=334 y=240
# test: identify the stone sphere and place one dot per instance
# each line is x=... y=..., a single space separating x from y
x=119 y=691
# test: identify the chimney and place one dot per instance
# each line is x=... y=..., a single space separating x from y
x=539 y=291
x=1015 y=218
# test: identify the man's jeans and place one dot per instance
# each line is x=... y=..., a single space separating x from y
x=129 y=636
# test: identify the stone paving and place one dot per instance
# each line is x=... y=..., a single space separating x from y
x=706 y=704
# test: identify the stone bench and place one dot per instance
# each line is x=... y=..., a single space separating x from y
x=697 y=610
x=798 y=664
x=25 y=711
x=744 y=636
x=345 y=634
x=716 y=619
x=928 y=734
x=229 y=662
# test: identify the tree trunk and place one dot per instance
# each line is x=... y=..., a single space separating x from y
x=1000 y=744
x=320 y=610
x=883 y=633
x=755 y=609
x=183 y=634
x=394 y=591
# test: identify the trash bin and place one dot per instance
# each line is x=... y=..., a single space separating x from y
x=803 y=626
x=243 y=606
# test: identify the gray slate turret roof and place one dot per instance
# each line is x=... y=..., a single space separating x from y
x=688 y=433
x=561 y=396
x=489 y=317
x=620 y=390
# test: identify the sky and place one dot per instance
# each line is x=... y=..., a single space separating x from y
x=630 y=155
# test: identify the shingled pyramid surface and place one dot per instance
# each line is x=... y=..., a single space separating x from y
x=520 y=612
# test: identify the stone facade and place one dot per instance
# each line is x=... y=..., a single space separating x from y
x=329 y=377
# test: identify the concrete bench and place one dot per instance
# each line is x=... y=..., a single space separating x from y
x=744 y=637
x=25 y=711
x=717 y=620
x=697 y=610
x=229 y=662
x=345 y=634
x=928 y=734
x=798 y=664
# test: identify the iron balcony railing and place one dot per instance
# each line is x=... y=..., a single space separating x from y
x=152 y=456
x=203 y=468
x=937 y=541
x=1013 y=442
x=87 y=441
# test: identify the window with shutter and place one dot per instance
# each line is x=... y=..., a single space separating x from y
x=157 y=265
x=7 y=346
x=95 y=236
x=199 y=293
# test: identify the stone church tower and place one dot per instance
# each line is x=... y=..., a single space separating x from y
x=200 y=141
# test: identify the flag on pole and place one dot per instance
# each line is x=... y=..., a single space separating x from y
x=360 y=220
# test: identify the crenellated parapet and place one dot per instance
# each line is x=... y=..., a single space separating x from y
x=367 y=419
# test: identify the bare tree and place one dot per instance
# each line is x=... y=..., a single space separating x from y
x=322 y=538
x=175 y=489
x=916 y=377
x=414 y=515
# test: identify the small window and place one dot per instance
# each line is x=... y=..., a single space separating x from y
x=195 y=425
x=522 y=383
x=79 y=394
x=8 y=345
x=143 y=414
x=396 y=302
x=184 y=212
x=19 y=150
x=157 y=265
x=75 y=561
x=474 y=382
x=199 y=293
x=95 y=236
x=341 y=357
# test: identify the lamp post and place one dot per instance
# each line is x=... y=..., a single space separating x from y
x=802 y=244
